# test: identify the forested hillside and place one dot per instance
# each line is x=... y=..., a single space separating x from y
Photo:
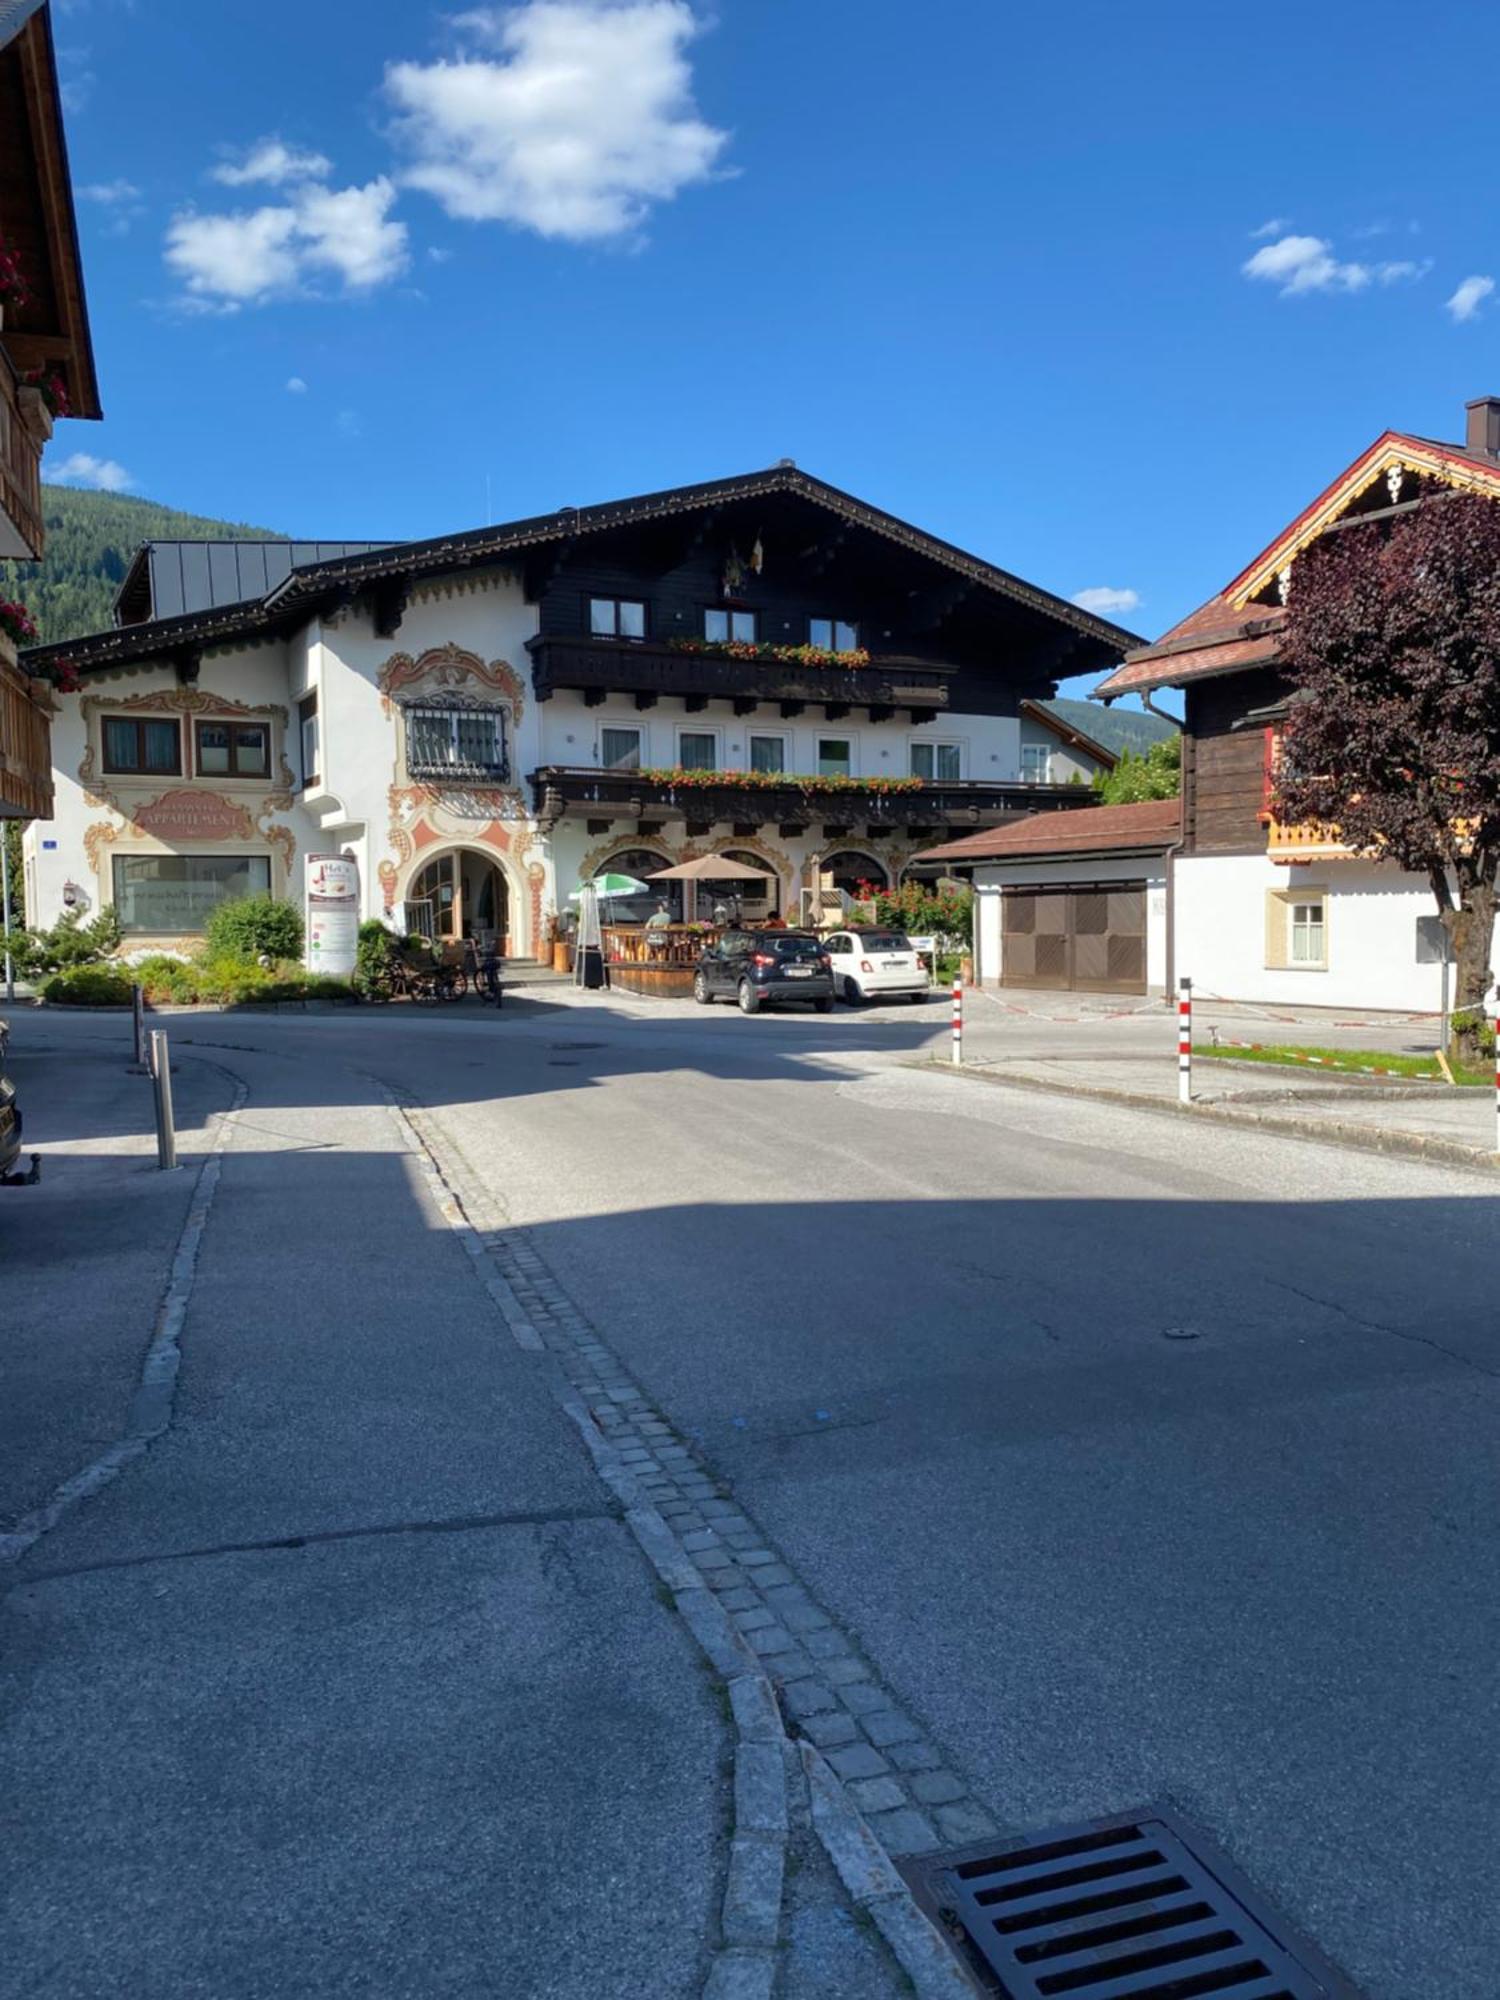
x=90 y=540
x=1116 y=728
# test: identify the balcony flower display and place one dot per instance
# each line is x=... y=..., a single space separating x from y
x=52 y=389
x=756 y=650
x=14 y=290
x=16 y=623
x=775 y=781
x=59 y=674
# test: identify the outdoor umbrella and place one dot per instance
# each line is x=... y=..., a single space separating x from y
x=712 y=868
x=609 y=885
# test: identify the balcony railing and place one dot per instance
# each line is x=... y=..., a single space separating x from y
x=578 y=792
x=25 y=747
x=1312 y=840
x=622 y=666
x=21 y=531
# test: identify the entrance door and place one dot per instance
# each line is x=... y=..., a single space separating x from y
x=1088 y=938
x=467 y=896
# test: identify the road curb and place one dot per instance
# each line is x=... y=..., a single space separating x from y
x=1330 y=1132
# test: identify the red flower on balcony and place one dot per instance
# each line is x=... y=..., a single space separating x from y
x=16 y=622
x=14 y=290
x=52 y=389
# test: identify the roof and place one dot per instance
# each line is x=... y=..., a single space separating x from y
x=1149 y=827
x=297 y=596
x=51 y=330
x=1231 y=633
x=170 y=579
x=1069 y=732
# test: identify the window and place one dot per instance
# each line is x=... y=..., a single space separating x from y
x=935 y=760
x=234 y=750
x=620 y=749
x=307 y=720
x=722 y=625
x=768 y=753
x=456 y=743
x=173 y=893
x=1308 y=933
x=835 y=635
x=697 y=750
x=1036 y=763
x=617 y=618
x=835 y=756
x=152 y=748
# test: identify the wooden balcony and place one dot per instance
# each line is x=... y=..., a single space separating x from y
x=595 y=668
x=1313 y=840
x=25 y=744
x=21 y=438
x=606 y=799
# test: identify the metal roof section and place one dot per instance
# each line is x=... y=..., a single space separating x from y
x=177 y=579
x=14 y=14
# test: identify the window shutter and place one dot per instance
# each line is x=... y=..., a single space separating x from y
x=1277 y=918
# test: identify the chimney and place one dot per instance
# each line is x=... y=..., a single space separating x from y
x=1483 y=439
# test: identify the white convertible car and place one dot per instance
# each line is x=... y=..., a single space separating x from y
x=876 y=965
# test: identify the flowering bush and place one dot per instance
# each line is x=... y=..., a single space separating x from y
x=918 y=906
x=775 y=781
x=61 y=674
x=790 y=656
x=15 y=622
x=14 y=290
x=52 y=389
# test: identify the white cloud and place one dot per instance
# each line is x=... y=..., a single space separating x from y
x=110 y=194
x=1469 y=297
x=569 y=117
x=279 y=251
x=349 y=424
x=272 y=162
x=83 y=469
x=1272 y=228
x=1101 y=597
x=1307 y=264
x=296 y=386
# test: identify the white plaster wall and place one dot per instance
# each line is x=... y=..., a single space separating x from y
x=989 y=745
x=1067 y=762
x=991 y=879
x=1372 y=917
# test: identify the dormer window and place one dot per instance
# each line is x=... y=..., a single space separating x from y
x=617 y=618
x=721 y=626
x=834 y=635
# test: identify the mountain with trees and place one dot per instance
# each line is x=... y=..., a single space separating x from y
x=90 y=540
x=1118 y=729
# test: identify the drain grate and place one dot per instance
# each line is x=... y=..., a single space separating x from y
x=1134 y=1908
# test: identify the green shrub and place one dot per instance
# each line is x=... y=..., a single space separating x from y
x=88 y=986
x=374 y=955
x=252 y=927
x=164 y=978
x=70 y=941
x=1471 y=1028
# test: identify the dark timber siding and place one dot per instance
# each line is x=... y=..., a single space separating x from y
x=1223 y=773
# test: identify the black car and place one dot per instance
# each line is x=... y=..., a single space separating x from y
x=755 y=968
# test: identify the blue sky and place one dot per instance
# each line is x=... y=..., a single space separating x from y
x=983 y=265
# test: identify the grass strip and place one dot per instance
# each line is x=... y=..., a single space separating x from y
x=1345 y=1062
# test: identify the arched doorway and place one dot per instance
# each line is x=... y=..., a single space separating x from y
x=849 y=868
x=757 y=900
x=460 y=894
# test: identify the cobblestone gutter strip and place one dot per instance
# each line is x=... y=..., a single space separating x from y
x=1328 y=1131
x=776 y=1650
x=150 y=1410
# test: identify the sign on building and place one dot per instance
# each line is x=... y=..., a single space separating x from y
x=332 y=914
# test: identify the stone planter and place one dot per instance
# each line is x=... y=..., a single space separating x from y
x=34 y=412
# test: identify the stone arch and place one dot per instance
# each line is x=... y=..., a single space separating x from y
x=520 y=925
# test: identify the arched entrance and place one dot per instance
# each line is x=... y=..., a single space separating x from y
x=757 y=900
x=460 y=894
x=642 y=863
x=849 y=867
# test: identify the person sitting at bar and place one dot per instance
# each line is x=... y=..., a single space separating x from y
x=657 y=925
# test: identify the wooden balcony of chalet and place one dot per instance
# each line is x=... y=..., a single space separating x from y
x=21 y=438
x=645 y=671
x=25 y=744
x=1312 y=840
x=645 y=799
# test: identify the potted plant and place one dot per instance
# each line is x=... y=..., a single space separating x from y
x=42 y=395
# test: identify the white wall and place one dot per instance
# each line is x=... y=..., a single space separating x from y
x=991 y=879
x=1067 y=762
x=1372 y=919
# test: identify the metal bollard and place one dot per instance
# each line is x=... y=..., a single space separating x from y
x=1184 y=1041
x=958 y=1020
x=166 y=1130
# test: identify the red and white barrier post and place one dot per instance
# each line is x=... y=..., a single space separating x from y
x=1184 y=1041
x=958 y=1020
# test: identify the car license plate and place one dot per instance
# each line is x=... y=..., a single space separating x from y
x=799 y=972
x=896 y=962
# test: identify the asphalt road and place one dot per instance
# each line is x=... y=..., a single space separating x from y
x=1149 y=1462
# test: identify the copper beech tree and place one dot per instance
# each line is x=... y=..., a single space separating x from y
x=1392 y=641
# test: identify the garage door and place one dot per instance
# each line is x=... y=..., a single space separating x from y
x=1090 y=938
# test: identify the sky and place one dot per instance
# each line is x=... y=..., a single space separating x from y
x=1103 y=293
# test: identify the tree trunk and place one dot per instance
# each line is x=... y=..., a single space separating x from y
x=1470 y=929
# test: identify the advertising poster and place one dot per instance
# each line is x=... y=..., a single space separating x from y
x=332 y=914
